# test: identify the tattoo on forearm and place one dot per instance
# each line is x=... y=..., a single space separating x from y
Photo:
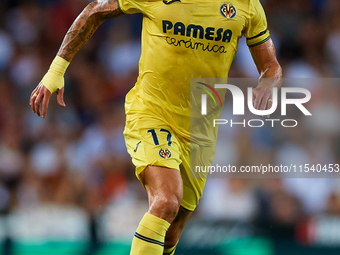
x=85 y=25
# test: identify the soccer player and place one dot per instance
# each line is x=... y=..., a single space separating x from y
x=181 y=39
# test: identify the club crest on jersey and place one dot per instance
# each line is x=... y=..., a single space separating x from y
x=165 y=153
x=228 y=10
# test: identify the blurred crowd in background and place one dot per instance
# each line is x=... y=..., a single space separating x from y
x=74 y=165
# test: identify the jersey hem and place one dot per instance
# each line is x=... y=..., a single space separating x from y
x=188 y=206
x=120 y=8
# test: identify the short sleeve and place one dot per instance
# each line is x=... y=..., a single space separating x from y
x=132 y=6
x=256 y=30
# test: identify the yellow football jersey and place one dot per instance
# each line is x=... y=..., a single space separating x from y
x=183 y=39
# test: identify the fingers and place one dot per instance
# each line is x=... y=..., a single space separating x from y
x=46 y=101
x=32 y=98
x=60 y=97
x=269 y=106
x=262 y=99
x=264 y=102
x=40 y=95
x=254 y=97
x=37 y=103
x=258 y=98
x=34 y=94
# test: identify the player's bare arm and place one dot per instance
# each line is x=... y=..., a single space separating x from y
x=79 y=33
x=86 y=24
x=264 y=56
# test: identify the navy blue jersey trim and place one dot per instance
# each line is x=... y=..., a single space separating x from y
x=256 y=44
x=262 y=33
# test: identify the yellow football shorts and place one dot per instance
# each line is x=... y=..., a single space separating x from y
x=151 y=142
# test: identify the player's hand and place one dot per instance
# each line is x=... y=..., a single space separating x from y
x=42 y=95
x=263 y=98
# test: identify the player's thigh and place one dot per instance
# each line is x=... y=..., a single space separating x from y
x=151 y=143
x=193 y=182
x=163 y=184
